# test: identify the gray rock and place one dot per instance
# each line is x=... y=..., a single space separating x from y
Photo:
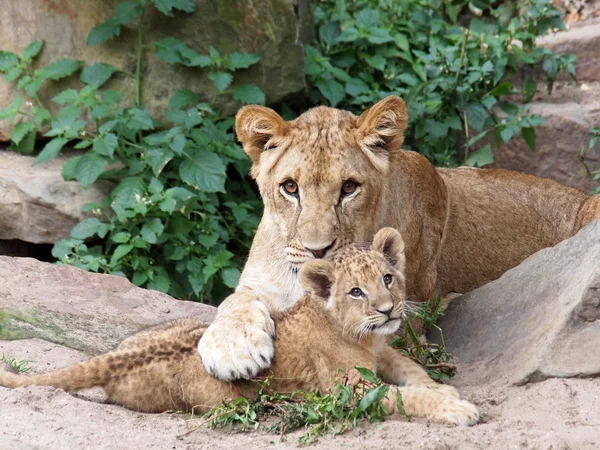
x=539 y=320
x=36 y=204
x=269 y=28
x=81 y=310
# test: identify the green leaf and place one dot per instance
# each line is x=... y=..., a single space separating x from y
x=400 y=404
x=183 y=98
x=367 y=375
x=178 y=143
x=528 y=134
x=69 y=170
x=98 y=74
x=329 y=33
x=158 y=158
x=241 y=60
x=27 y=144
x=476 y=115
x=88 y=228
x=125 y=12
x=68 y=96
x=372 y=396
x=89 y=168
x=140 y=120
x=505 y=88
x=151 y=230
x=33 y=49
x=348 y=35
x=356 y=87
x=230 y=277
x=128 y=192
x=120 y=251
x=367 y=18
x=104 y=32
x=61 y=69
x=21 y=130
x=248 y=93
x=376 y=61
x=333 y=91
x=221 y=80
x=402 y=42
x=528 y=89
x=379 y=36
x=139 y=278
x=481 y=157
x=167 y=6
x=203 y=170
x=8 y=60
x=51 y=150
x=106 y=144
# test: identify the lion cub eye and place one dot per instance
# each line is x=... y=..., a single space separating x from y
x=290 y=187
x=387 y=279
x=357 y=293
x=349 y=187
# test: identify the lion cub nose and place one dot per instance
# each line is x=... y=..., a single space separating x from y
x=385 y=310
x=320 y=252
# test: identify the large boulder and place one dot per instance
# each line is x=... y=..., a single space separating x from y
x=36 y=204
x=539 y=320
x=269 y=28
x=81 y=310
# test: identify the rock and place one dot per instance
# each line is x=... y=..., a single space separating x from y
x=36 y=204
x=269 y=28
x=539 y=320
x=81 y=310
x=560 y=140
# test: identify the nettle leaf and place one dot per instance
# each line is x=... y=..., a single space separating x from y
x=221 y=80
x=528 y=134
x=27 y=144
x=333 y=91
x=158 y=158
x=69 y=170
x=98 y=74
x=505 y=88
x=106 y=144
x=349 y=34
x=379 y=36
x=33 y=49
x=329 y=32
x=376 y=61
x=204 y=171
x=183 y=98
x=120 y=251
x=367 y=375
x=8 y=60
x=248 y=93
x=481 y=157
x=51 y=150
x=129 y=191
x=367 y=18
x=230 y=277
x=104 y=32
x=356 y=87
x=89 y=168
x=61 y=69
x=125 y=12
x=476 y=115
x=88 y=228
x=241 y=60
x=21 y=130
x=167 y=6
x=151 y=230
x=140 y=120
x=372 y=397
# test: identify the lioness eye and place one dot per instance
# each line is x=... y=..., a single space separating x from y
x=349 y=187
x=290 y=187
x=387 y=279
x=357 y=292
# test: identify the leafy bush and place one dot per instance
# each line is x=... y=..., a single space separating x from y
x=181 y=216
x=454 y=77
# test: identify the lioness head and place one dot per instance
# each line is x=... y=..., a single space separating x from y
x=364 y=286
x=321 y=175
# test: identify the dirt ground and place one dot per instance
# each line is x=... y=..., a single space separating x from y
x=554 y=414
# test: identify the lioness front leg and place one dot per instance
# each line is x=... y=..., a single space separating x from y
x=400 y=370
x=239 y=343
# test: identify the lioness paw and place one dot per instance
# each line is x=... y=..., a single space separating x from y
x=447 y=390
x=239 y=347
x=456 y=412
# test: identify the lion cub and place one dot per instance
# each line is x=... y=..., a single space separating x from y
x=351 y=304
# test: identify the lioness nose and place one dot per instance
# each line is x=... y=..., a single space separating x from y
x=320 y=252
x=387 y=309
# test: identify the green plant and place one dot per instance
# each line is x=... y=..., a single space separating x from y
x=337 y=411
x=435 y=358
x=458 y=80
x=182 y=213
x=593 y=141
x=21 y=366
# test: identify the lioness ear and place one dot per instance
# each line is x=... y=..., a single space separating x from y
x=389 y=242
x=381 y=129
x=254 y=126
x=316 y=277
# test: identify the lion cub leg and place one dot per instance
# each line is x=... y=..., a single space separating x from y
x=431 y=404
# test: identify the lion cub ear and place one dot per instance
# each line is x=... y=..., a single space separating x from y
x=316 y=277
x=381 y=129
x=254 y=126
x=389 y=242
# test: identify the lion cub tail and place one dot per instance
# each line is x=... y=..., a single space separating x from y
x=94 y=372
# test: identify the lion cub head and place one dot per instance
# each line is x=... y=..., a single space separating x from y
x=323 y=176
x=364 y=285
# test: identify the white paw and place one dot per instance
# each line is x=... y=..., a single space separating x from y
x=239 y=347
x=446 y=390
x=456 y=412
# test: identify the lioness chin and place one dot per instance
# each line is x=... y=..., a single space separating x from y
x=329 y=178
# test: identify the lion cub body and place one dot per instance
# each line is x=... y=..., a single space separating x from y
x=326 y=332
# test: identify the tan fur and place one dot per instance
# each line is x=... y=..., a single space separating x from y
x=327 y=331
x=462 y=227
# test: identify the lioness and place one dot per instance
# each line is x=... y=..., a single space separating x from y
x=354 y=302
x=329 y=178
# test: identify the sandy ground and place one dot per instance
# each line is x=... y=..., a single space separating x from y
x=555 y=414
